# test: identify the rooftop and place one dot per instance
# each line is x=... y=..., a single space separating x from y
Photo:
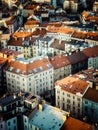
x=74 y=124
x=58 y=44
x=91 y=94
x=91 y=51
x=73 y=85
x=9 y=99
x=59 y=61
x=28 y=67
x=61 y=29
x=49 y=118
x=2 y=60
x=87 y=75
x=9 y=52
x=77 y=57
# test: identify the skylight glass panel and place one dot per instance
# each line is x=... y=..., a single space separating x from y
x=17 y=70
x=49 y=65
x=11 y=68
x=23 y=72
x=35 y=69
x=30 y=71
x=41 y=68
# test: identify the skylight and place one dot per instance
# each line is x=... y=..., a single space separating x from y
x=17 y=70
x=41 y=68
x=49 y=65
x=11 y=68
x=35 y=69
x=29 y=71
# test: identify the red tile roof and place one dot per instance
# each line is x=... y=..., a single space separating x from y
x=58 y=44
x=75 y=124
x=73 y=85
x=9 y=52
x=91 y=94
x=39 y=31
x=2 y=60
x=61 y=29
x=22 y=34
x=79 y=34
x=24 y=68
x=91 y=51
x=77 y=57
x=59 y=61
x=32 y=22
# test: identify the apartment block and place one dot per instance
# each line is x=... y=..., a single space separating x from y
x=69 y=92
x=92 y=54
x=78 y=60
x=61 y=65
x=90 y=105
x=33 y=75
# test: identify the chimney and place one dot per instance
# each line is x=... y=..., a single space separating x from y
x=41 y=106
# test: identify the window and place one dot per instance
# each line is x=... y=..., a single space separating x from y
x=86 y=102
x=68 y=101
x=14 y=127
x=78 y=99
x=8 y=123
x=78 y=105
x=68 y=106
x=73 y=103
x=58 y=97
x=86 y=109
x=68 y=95
x=14 y=121
x=29 y=89
x=73 y=97
x=25 y=120
x=73 y=108
x=1 y=126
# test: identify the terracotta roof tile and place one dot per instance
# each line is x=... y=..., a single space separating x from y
x=60 y=29
x=91 y=94
x=75 y=124
x=32 y=22
x=24 y=68
x=59 y=61
x=9 y=52
x=2 y=60
x=79 y=34
x=22 y=34
x=39 y=31
x=91 y=51
x=77 y=57
x=58 y=44
x=73 y=85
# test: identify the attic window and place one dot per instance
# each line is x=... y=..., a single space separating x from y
x=49 y=65
x=11 y=68
x=29 y=71
x=57 y=65
x=23 y=72
x=41 y=68
x=17 y=70
x=35 y=69
x=64 y=62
